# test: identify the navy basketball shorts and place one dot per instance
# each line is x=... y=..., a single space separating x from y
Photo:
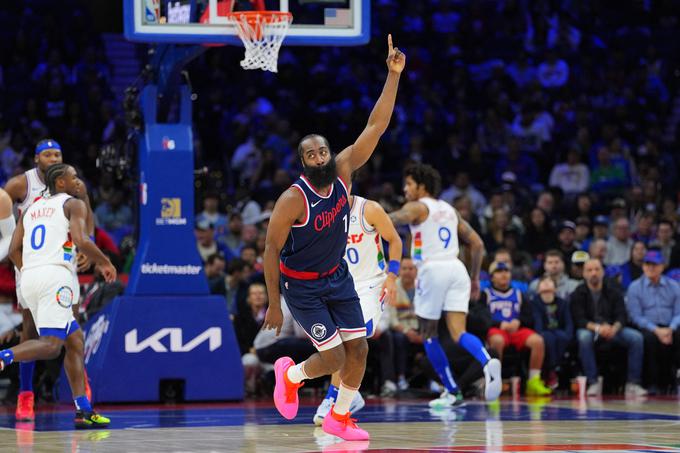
x=327 y=308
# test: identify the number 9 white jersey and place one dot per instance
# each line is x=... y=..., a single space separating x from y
x=46 y=234
x=437 y=237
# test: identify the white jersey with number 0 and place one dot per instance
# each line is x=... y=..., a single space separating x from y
x=364 y=254
x=46 y=234
x=34 y=189
x=437 y=237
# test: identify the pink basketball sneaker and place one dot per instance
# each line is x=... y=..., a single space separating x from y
x=343 y=426
x=285 y=392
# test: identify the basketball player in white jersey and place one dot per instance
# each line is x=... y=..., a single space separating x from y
x=374 y=278
x=23 y=190
x=443 y=283
x=42 y=248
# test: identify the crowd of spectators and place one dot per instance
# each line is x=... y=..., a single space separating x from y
x=551 y=122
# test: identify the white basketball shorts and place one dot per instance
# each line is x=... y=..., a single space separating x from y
x=49 y=292
x=372 y=301
x=441 y=286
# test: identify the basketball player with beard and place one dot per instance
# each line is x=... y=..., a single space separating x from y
x=303 y=261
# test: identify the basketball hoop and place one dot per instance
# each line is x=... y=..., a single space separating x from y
x=262 y=33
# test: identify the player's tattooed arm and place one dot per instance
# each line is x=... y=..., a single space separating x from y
x=356 y=155
x=413 y=212
x=472 y=239
x=289 y=209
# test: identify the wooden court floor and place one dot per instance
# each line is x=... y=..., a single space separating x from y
x=644 y=426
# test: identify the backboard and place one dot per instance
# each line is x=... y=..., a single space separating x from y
x=315 y=22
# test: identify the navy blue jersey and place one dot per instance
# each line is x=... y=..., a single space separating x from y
x=317 y=244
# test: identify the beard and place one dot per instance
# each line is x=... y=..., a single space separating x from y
x=322 y=176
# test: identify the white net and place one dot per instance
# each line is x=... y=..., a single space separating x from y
x=262 y=33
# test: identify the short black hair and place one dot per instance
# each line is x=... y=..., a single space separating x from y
x=307 y=137
x=426 y=175
x=53 y=173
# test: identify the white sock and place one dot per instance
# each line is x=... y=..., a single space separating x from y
x=345 y=397
x=296 y=373
x=534 y=373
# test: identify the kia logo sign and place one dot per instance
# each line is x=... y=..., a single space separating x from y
x=212 y=335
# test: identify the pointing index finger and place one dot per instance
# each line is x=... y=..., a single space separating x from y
x=389 y=42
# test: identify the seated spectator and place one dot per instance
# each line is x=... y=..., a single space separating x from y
x=644 y=230
x=211 y=214
x=517 y=275
x=214 y=270
x=608 y=177
x=653 y=303
x=573 y=176
x=206 y=243
x=619 y=244
x=600 y=231
x=599 y=316
x=631 y=269
x=231 y=240
x=234 y=287
x=249 y=321
x=552 y=320
x=538 y=236
x=510 y=321
x=403 y=321
x=578 y=259
x=113 y=215
x=553 y=267
x=598 y=249
x=462 y=186
x=582 y=231
x=566 y=239
x=664 y=240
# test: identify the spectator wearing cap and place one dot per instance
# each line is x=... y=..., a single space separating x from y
x=631 y=270
x=653 y=303
x=600 y=232
x=504 y=256
x=553 y=267
x=552 y=320
x=511 y=319
x=566 y=238
x=578 y=259
x=664 y=240
x=619 y=244
x=572 y=176
x=618 y=209
x=206 y=243
x=599 y=315
x=211 y=214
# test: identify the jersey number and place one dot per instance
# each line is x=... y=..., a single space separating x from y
x=38 y=242
x=352 y=255
x=445 y=236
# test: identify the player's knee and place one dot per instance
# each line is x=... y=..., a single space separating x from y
x=334 y=358
x=358 y=351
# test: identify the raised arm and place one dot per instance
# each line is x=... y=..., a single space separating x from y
x=476 y=245
x=76 y=211
x=377 y=217
x=289 y=208
x=413 y=212
x=356 y=155
x=15 y=246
